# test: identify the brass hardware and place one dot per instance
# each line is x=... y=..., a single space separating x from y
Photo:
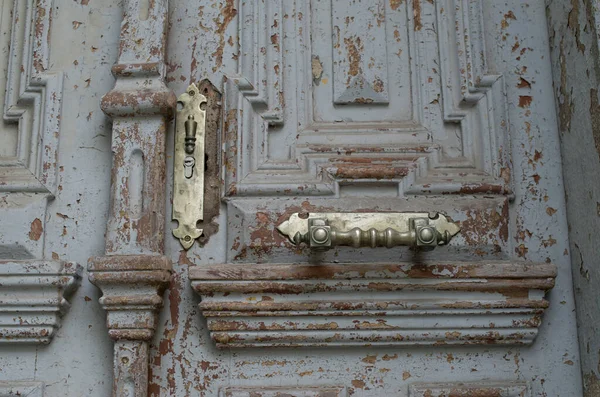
x=322 y=231
x=190 y=134
x=191 y=125
x=188 y=168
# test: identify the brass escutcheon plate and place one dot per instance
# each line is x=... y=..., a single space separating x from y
x=188 y=167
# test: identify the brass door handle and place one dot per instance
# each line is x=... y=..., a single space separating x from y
x=323 y=231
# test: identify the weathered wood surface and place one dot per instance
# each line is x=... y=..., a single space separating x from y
x=134 y=272
x=373 y=304
x=452 y=114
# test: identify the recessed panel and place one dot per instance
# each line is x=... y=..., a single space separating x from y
x=483 y=389
x=283 y=392
x=8 y=132
x=360 y=63
x=404 y=81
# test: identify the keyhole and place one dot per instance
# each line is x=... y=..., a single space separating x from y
x=188 y=166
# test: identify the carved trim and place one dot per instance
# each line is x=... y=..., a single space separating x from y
x=132 y=288
x=134 y=272
x=499 y=389
x=33 y=100
x=33 y=296
x=461 y=41
x=261 y=66
x=471 y=98
x=319 y=391
x=131 y=313
x=253 y=236
x=21 y=388
x=373 y=304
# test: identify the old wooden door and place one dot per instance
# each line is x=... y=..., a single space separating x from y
x=315 y=106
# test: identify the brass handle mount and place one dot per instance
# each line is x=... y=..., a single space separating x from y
x=188 y=166
x=323 y=231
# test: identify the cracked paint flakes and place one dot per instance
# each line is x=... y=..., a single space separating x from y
x=535 y=166
x=212 y=42
x=595 y=118
x=574 y=26
x=173 y=368
x=36 y=229
x=509 y=16
x=263 y=222
x=591 y=382
x=354 y=49
x=395 y=4
x=126 y=228
x=356 y=168
x=486 y=226
x=263 y=235
x=317 y=69
x=227 y=13
x=576 y=72
x=418 y=24
x=376 y=376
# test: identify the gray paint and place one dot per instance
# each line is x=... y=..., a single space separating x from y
x=183 y=359
x=575 y=48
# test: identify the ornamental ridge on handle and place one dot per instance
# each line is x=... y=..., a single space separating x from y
x=323 y=231
x=188 y=167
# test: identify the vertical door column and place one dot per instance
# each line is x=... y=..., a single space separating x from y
x=134 y=272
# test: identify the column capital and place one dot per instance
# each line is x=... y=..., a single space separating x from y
x=132 y=288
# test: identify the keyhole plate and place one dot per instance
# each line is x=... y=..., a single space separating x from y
x=188 y=186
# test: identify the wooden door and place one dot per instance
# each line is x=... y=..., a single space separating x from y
x=350 y=106
x=313 y=106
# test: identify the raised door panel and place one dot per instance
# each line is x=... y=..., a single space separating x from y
x=336 y=101
x=378 y=106
x=331 y=92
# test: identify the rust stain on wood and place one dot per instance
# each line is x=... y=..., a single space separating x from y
x=595 y=117
x=481 y=226
x=394 y=4
x=212 y=173
x=36 y=230
x=354 y=48
x=227 y=14
x=417 y=14
x=525 y=101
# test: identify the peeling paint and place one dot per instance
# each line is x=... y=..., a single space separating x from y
x=429 y=130
x=36 y=230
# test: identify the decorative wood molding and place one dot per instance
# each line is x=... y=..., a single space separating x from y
x=134 y=272
x=261 y=86
x=34 y=292
x=131 y=312
x=132 y=288
x=496 y=389
x=33 y=100
x=302 y=141
x=319 y=391
x=455 y=303
x=252 y=234
x=33 y=296
x=21 y=388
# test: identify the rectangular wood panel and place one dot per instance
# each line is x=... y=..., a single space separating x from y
x=283 y=392
x=407 y=81
x=359 y=52
x=483 y=389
